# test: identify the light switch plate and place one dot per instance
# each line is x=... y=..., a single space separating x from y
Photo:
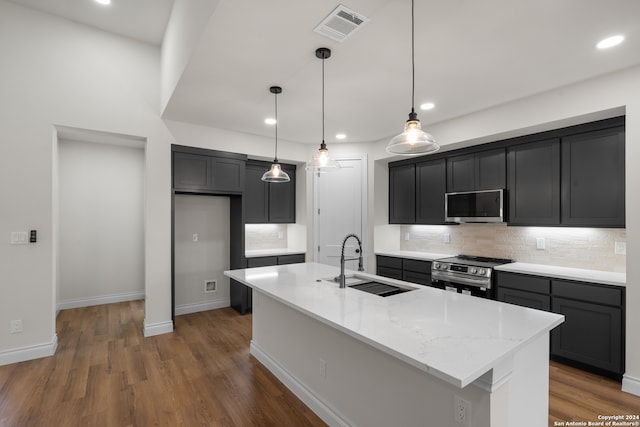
x=620 y=248
x=540 y=243
x=19 y=237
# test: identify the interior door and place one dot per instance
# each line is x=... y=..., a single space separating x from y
x=340 y=197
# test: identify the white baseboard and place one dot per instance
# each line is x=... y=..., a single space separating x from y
x=631 y=385
x=322 y=410
x=29 y=353
x=151 y=329
x=202 y=306
x=104 y=299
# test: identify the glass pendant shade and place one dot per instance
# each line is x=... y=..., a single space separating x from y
x=322 y=162
x=276 y=174
x=413 y=141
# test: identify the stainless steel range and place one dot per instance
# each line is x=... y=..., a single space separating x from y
x=467 y=274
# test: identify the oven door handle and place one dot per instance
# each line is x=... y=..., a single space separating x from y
x=455 y=278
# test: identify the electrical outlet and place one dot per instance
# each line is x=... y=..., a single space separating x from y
x=620 y=248
x=210 y=286
x=195 y=237
x=540 y=243
x=461 y=411
x=446 y=238
x=407 y=236
x=280 y=235
x=16 y=326
x=323 y=368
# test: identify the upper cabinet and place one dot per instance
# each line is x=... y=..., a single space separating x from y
x=269 y=202
x=402 y=194
x=485 y=170
x=430 y=189
x=572 y=177
x=593 y=182
x=534 y=183
x=207 y=171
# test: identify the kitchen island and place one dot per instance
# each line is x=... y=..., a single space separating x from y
x=424 y=357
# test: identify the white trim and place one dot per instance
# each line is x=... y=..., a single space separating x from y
x=29 y=353
x=157 y=328
x=631 y=385
x=99 y=300
x=202 y=306
x=297 y=387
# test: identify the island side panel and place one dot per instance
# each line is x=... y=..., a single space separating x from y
x=359 y=385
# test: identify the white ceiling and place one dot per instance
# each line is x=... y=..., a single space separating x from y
x=470 y=55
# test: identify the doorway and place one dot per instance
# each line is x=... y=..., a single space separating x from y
x=340 y=209
x=99 y=236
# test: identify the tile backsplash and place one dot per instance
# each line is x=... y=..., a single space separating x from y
x=265 y=236
x=590 y=248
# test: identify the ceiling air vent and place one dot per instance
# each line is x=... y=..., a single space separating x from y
x=341 y=23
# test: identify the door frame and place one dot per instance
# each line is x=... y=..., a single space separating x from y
x=364 y=188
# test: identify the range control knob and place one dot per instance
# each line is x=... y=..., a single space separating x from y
x=482 y=271
x=473 y=270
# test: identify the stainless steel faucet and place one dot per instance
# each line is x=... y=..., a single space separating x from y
x=341 y=278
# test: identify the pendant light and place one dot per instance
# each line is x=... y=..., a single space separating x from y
x=276 y=174
x=321 y=161
x=413 y=141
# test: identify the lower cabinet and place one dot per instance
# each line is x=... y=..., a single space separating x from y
x=241 y=297
x=592 y=335
x=409 y=270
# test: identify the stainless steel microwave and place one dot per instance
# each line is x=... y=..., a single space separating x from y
x=475 y=206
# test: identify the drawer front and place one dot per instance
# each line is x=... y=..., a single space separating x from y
x=525 y=299
x=262 y=261
x=391 y=273
x=419 y=278
x=523 y=282
x=588 y=292
x=416 y=266
x=390 y=262
x=290 y=259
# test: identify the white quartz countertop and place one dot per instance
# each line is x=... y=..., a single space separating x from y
x=593 y=276
x=272 y=252
x=422 y=256
x=454 y=337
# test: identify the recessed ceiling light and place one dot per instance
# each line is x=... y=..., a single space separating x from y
x=105 y=2
x=270 y=121
x=610 y=42
x=427 y=106
x=341 y=136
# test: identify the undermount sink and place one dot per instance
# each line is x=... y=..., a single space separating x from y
x=370 y=286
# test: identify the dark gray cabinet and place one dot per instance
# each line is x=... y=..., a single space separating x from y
x=269 y=202
x=207 y=171
x=409 y=270
x=402 y=194
x=593 y=181
x=592 y=335
x=533 y=182
x=265 y=261
x=430 y=190
x=484 y=170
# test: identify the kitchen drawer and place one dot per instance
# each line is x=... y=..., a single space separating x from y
x=416 y=266
x=587 y=292
x=525 y=299
x=391 y=273
x=262 y=261
x=390 y=262
x=540 y=285
x=290 y=259
x=419 y=278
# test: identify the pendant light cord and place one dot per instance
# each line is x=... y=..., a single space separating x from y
x=413 y=60
x=323 y=101
x=276 y=154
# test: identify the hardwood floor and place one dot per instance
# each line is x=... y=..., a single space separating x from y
x=105 y=373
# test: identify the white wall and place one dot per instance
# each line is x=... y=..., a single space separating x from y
x=204 y=259
x=55 y=72
x=101 y=228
